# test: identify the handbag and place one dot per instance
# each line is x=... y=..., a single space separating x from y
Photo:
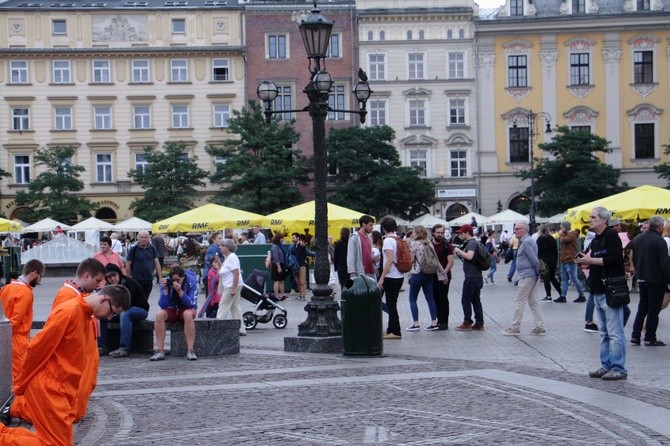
x=544 y=271
x=616 y=291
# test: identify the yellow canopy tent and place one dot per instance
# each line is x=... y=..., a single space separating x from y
x=634 y=205
x=208 y=218
x=301 y=217
x=10 y=226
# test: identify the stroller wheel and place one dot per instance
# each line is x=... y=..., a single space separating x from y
x=249 y=320
x=279 y=321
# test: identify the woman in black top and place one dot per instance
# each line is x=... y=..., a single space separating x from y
x=547 y=251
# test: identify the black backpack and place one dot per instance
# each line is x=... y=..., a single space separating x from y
x=482 y=258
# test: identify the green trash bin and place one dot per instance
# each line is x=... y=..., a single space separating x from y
x=11 y=263
x=362 y=318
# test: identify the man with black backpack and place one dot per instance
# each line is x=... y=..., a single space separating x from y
x=445 y=252
x=473 y=282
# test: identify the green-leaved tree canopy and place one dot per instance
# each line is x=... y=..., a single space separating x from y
x=366 y=169
x=53 y=193
x=663 y=169
x=169 y=181
x=574 y=175
x=261 y=169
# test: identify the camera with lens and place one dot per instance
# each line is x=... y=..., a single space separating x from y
x=168 y=282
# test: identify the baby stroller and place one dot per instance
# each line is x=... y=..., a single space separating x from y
x=266 y=304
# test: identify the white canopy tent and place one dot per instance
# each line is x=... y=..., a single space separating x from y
x=554 y=219
x=46 y=225
x=133 y=224
x=505 y=220
x=91 y=228
x=427 y=221
x=467 y=219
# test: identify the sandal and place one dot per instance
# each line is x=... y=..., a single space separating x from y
x=635 y=341
x=655 y=343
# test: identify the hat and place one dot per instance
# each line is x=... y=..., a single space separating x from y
x=113 y=269
x=566 y=225
x=614 y=222
x=465 y=228
x=228 y=243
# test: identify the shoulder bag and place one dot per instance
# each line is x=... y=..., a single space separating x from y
x=616 y=291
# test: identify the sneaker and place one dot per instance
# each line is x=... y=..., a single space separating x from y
x=465 y=326
x=511 y=331
x=592 y=328
x=5 y=416
x=433 y=328
x=120 y=353
x=391 y=336
x=537 y=331
x=560 y=300
x=413 y=328
x=635 y=341
x=655 y=343
x=478 y=327
x=547 y=299
x=509 y=279
x=580 y=299
x=191 y=356
x=599 y=373
x=158 y=356
x=486 y=280
x=614 y=375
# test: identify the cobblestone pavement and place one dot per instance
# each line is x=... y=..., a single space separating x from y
x=442 y=387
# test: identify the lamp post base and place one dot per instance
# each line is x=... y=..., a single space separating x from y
x=321 y=332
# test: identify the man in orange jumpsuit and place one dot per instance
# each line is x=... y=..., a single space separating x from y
x=49 y=380
x=17 y=301
x=89 y=273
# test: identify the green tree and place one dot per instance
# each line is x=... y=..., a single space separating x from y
x=663 y=169
x=169 y=181
x=261 y=171
x=53 y=192
x=369 y=177
x=574 y=174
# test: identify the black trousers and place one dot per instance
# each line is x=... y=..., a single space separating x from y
x=441 y=297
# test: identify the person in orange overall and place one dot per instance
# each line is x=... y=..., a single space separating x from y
x=55 y=363
x=17 y=301
x=89 y=273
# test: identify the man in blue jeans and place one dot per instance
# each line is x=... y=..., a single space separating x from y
x=138 y=311
x=567 y=255
x=473 y=283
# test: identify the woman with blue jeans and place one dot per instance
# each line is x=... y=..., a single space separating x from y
x=423 y=280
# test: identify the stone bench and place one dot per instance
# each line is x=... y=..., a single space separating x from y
x=212 y=336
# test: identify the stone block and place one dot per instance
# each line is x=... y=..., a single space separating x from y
x=313 y=344
x=143 y=336
x=5 y=359
x=212 y=337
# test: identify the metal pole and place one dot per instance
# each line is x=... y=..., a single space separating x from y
x=5 y=357
x=532 y=225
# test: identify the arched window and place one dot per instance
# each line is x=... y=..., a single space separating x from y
x=422 y=35
x=450 y=34
x=520 y=204
x=382 y=35
x=409 y=35
x=455 y=211
x=461 y=34
x=370 y=35
x=106 y=214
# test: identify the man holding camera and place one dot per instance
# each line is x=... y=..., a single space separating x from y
x=178 y=302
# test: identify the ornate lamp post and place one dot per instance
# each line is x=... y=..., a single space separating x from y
x=531 y=119
x=322 y=320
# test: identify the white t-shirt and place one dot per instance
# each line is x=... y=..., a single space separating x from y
x=390 y=244
x=231 y=263
x=117 y=246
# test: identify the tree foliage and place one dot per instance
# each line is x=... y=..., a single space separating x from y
x=53 y=192
x=663 y=169
x=369 y=176
x=170 y=182
x=574 y=174
x=261 y=170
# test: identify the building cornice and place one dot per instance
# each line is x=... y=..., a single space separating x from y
x=222 y=50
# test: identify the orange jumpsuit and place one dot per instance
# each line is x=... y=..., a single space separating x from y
x=50 y=377
x=17 y=300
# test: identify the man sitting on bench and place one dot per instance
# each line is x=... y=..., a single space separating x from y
x=178 y=302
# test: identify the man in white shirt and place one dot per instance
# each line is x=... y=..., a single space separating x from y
x=391 y=279
x=259 y=237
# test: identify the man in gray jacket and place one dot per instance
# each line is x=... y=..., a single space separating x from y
x=528 y=270
x=359 y=250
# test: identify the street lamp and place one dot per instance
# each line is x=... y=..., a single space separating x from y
x=531 y=119
x=322 y=320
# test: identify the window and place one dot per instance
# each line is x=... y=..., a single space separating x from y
x=18 y=71
x=61 y=71
x=370 y=35
x=580 y=128
x=20 y=119
x=456 y=62
x=59 y=26
x=422 y=34
x=220 y=70
x=178 y=70
x=284 y=101
x=458 y=165
x=102 y=72
x=644 y=141
x=518 y=145
x=103 y=118
x=336 y=100
x=643 y=67
x=221 y=115
x=277 y=46
x=456 y=111
x=63 y=118
x=21 y=169
x=579 y=69
x=140 y=70
x=382 y=35
x=516 y=7
x=417 y=112
x=517 y=71
x=377 y=110
x=578 y=6
x=179 y=116
x=103 y=167
x=334 y=49
x=377 y=67
x=141 y=117
x=415 y=65
x=461 y=34
x=178 y=26
x=450 y=34
x=417 y=158
x=141 y=162
x=409 y=35
x=643 y=5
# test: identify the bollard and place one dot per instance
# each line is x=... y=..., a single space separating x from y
x=5 y=357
